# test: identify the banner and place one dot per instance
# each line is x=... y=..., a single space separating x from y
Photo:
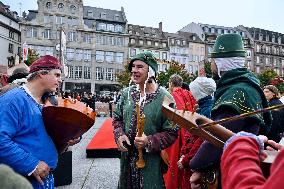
x=25 y=51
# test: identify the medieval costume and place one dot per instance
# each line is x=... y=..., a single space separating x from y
x=158 y=132
x=23 y=138
x=175 y=177
x=238 y=91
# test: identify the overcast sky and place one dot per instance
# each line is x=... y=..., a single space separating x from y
x=176 y=14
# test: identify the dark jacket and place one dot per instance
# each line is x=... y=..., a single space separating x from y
x=277 y=126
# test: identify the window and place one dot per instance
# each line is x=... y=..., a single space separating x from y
x=72 y=36
x=46 y=19
x=101 y=39
x=79 y=54
x=248 y=54
x=132 y=41
x=87 y=55
x=109 y=74
x=70 y=53
x=31 y=32
x=48 y=5
x=116 y=17
x=164 y=45
x=119 y=57
x=164 y=56
x=60 y=6
x=11 y=61
x=149 y=43
x=157 y=54
x=103 y=15
x=60 y=19
x=47 y=34
x=70 y=72
x=90 y=13
x=257 y=48
x=49 y=51
x=99 y=73
x=110 y=27
x=119 y=41
x=78 y=72
x=257 y=60
x=10 y=48
x=87 y=38
x=110 y=40
x=109 y=57
x=164 y=67
x=140 y=42
x=11 y=34
x=72 y=21
x=118 y=28
x=156 y=44
x=257 y=69
x=87 y=72
x=72 y=9
x=132 y=52
x=100 y=56
x=101 y=26
x=178 y=42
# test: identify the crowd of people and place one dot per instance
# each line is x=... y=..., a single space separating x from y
x=172 y=156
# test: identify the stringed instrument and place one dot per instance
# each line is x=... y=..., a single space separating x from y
x=69 y=120
x=210 y=130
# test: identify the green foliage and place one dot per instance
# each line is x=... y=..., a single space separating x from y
x=175 y=68
x=266 y=77
x=123 y=78
x=32 y=56
x=207 y=67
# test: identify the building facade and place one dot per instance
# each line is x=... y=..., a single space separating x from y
x=268 y=50
x=10 y=38
x=96 y=46
x=142 y=38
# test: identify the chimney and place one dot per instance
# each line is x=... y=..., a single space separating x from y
x=161 y=26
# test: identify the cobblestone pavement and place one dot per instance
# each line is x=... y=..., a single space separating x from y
x=92 y=173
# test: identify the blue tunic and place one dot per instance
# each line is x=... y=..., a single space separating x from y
x=23 y=138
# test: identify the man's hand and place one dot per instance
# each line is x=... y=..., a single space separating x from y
x=273 y=145
x=141 y=142
x=195 y=180
x=120 y=141
x=179 y=164
x=41 y=172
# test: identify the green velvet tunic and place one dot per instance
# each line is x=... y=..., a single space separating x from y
x=157 y=127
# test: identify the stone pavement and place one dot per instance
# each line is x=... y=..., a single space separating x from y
x=92 y=173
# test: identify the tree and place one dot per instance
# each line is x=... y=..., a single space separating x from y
x=266 y=77
x=207 y=68
x=123 y=77
x=175 y=68
x=32 y=56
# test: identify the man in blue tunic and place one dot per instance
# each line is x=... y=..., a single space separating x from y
x=24 y=143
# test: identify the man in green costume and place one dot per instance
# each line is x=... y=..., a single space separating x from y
x=238 y=91
x=158 y=132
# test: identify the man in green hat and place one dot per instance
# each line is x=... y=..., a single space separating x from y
x=158 y=133
x=238 y=91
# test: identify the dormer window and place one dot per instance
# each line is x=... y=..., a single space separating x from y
x=48 y=5
x=103 y=15
x=116 y=17
x=90 y=13
x=60 y=6
x=73 y=9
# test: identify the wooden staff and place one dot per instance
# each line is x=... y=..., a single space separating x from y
x=140 y=129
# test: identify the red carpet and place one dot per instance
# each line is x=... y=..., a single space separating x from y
x=103 y=144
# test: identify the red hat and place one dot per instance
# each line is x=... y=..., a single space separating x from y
x=46 y=62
